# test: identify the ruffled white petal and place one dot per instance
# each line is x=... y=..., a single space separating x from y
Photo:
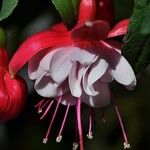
x=44 y=64
x=75 y=77
x=47 y=87
x=100 y=100
x=92 y=74
x=61 y=64
x=123 y=72
x=82 y=56
x=33 y=64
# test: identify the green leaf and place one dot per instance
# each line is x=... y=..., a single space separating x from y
x=75 y=7
x=67 y=9
x=7 y=8
x=135 y=41
x=144 y=59
x=146 y=22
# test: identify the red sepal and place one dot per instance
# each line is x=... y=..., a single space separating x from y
x=119 y=29
x=57 y=36
x=91 y=31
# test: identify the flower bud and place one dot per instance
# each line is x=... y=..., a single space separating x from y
x=13 y=91
x=12 y=95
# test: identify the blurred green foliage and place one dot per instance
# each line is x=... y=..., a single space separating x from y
x=7 y=8
x=136 y=44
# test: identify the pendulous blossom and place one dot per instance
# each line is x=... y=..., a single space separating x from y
x=12 y=91
x=75 y=66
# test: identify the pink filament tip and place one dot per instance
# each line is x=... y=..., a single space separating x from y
x=52 y=120
x=90 y=133
x=47 y=110
x=126 y=144
x=59 y=137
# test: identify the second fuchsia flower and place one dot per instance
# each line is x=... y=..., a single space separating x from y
x=76 y=66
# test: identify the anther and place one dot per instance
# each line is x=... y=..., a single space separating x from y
x=126 y=145
x=90 y=135
x=75 y=146
x=40 y=111
x=59 y=138
x=45 y=140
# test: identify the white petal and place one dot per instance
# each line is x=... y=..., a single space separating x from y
x=61 y=65
x=46 y=87
x=123 y=72
x=100 y=100
x=44 y=64
x=92 y=74
x=82 y=56
x=75 y=77
x=33 y=64
x=97 y=70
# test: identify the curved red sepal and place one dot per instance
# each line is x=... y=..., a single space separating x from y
x=105 y=10
x=86 y=11
x=12 y=95
x=91 y=31
x=119 y=29
x=57 y=36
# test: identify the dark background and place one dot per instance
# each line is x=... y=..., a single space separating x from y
x=26 y=131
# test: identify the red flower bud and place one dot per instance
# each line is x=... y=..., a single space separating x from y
x=12 y=91
x=12 y=95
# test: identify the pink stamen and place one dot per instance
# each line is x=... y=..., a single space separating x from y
x=47 y=110
x=78 y=113
x=90 y=133
x=59 y=137
x=39 y=103
x=126 y=144
x=51 y=122
x=41 y=107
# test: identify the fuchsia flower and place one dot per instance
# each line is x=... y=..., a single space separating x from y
x=12 y=91
x=76 y=66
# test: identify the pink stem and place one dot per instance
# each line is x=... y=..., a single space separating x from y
x=51 y=122
x=40 y=103
x=47 y=110
x=121 y=124
x=41 y=107
x=63 y=123
x=78 y=113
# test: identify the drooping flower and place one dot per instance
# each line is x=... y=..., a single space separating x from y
x=12 y=91
x=76 y=66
